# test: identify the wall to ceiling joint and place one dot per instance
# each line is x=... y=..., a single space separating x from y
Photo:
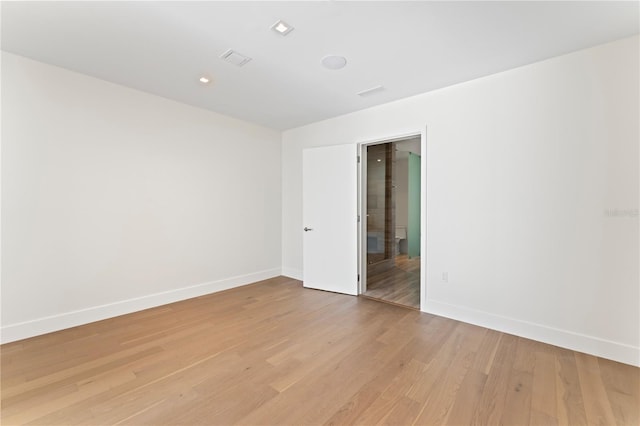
x=532 y=196
x=114 y=200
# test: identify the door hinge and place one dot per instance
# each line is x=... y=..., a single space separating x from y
x=358 y=158
x=358 y=277
x=358 y=218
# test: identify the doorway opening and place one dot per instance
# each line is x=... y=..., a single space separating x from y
x=391 y=207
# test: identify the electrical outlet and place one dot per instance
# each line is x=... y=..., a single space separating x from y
x=445 y=277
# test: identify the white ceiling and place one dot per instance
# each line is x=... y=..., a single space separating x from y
x=408 y=47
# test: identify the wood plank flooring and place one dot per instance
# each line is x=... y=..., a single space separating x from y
x=273 y=353
x=399 y=285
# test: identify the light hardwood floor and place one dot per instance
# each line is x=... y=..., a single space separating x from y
x=275 y=353
x=399 y=285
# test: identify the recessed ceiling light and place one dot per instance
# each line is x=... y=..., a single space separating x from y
x=334 y=62
x=282 y=27
x=205 y=79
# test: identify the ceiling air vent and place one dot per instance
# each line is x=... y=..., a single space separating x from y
x=235 y=58
x=371 y=91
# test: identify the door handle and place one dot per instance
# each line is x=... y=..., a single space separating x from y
x=307 y=229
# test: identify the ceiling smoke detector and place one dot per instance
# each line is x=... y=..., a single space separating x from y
x=334 y=62
x=235 y=58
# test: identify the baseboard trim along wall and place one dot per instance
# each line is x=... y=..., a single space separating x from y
x=296 y=274
x=616 y=351
x=23 y=330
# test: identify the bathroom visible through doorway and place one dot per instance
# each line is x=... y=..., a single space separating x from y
x=391 y=191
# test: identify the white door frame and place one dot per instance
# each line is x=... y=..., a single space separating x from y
x=362 y=209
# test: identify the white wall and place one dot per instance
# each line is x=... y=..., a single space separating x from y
x=522 y=169
x=114 y=200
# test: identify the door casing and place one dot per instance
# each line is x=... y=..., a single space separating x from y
x=362 y=208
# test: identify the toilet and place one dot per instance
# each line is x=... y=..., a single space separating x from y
x=401 y=234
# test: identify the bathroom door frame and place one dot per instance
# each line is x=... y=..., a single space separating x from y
x=362 y=208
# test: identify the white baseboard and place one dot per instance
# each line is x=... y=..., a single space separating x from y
x=294 y=273
x=616 y=351
x=52 y=323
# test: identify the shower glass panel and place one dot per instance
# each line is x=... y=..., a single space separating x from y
x=413 y=229
x=380 y=203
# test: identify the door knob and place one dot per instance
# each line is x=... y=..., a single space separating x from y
x=307 y=229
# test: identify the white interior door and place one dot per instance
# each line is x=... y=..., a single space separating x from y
x=330 y=218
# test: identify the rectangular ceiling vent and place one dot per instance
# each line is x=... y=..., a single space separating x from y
x=235 y=58
x=371 y=91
